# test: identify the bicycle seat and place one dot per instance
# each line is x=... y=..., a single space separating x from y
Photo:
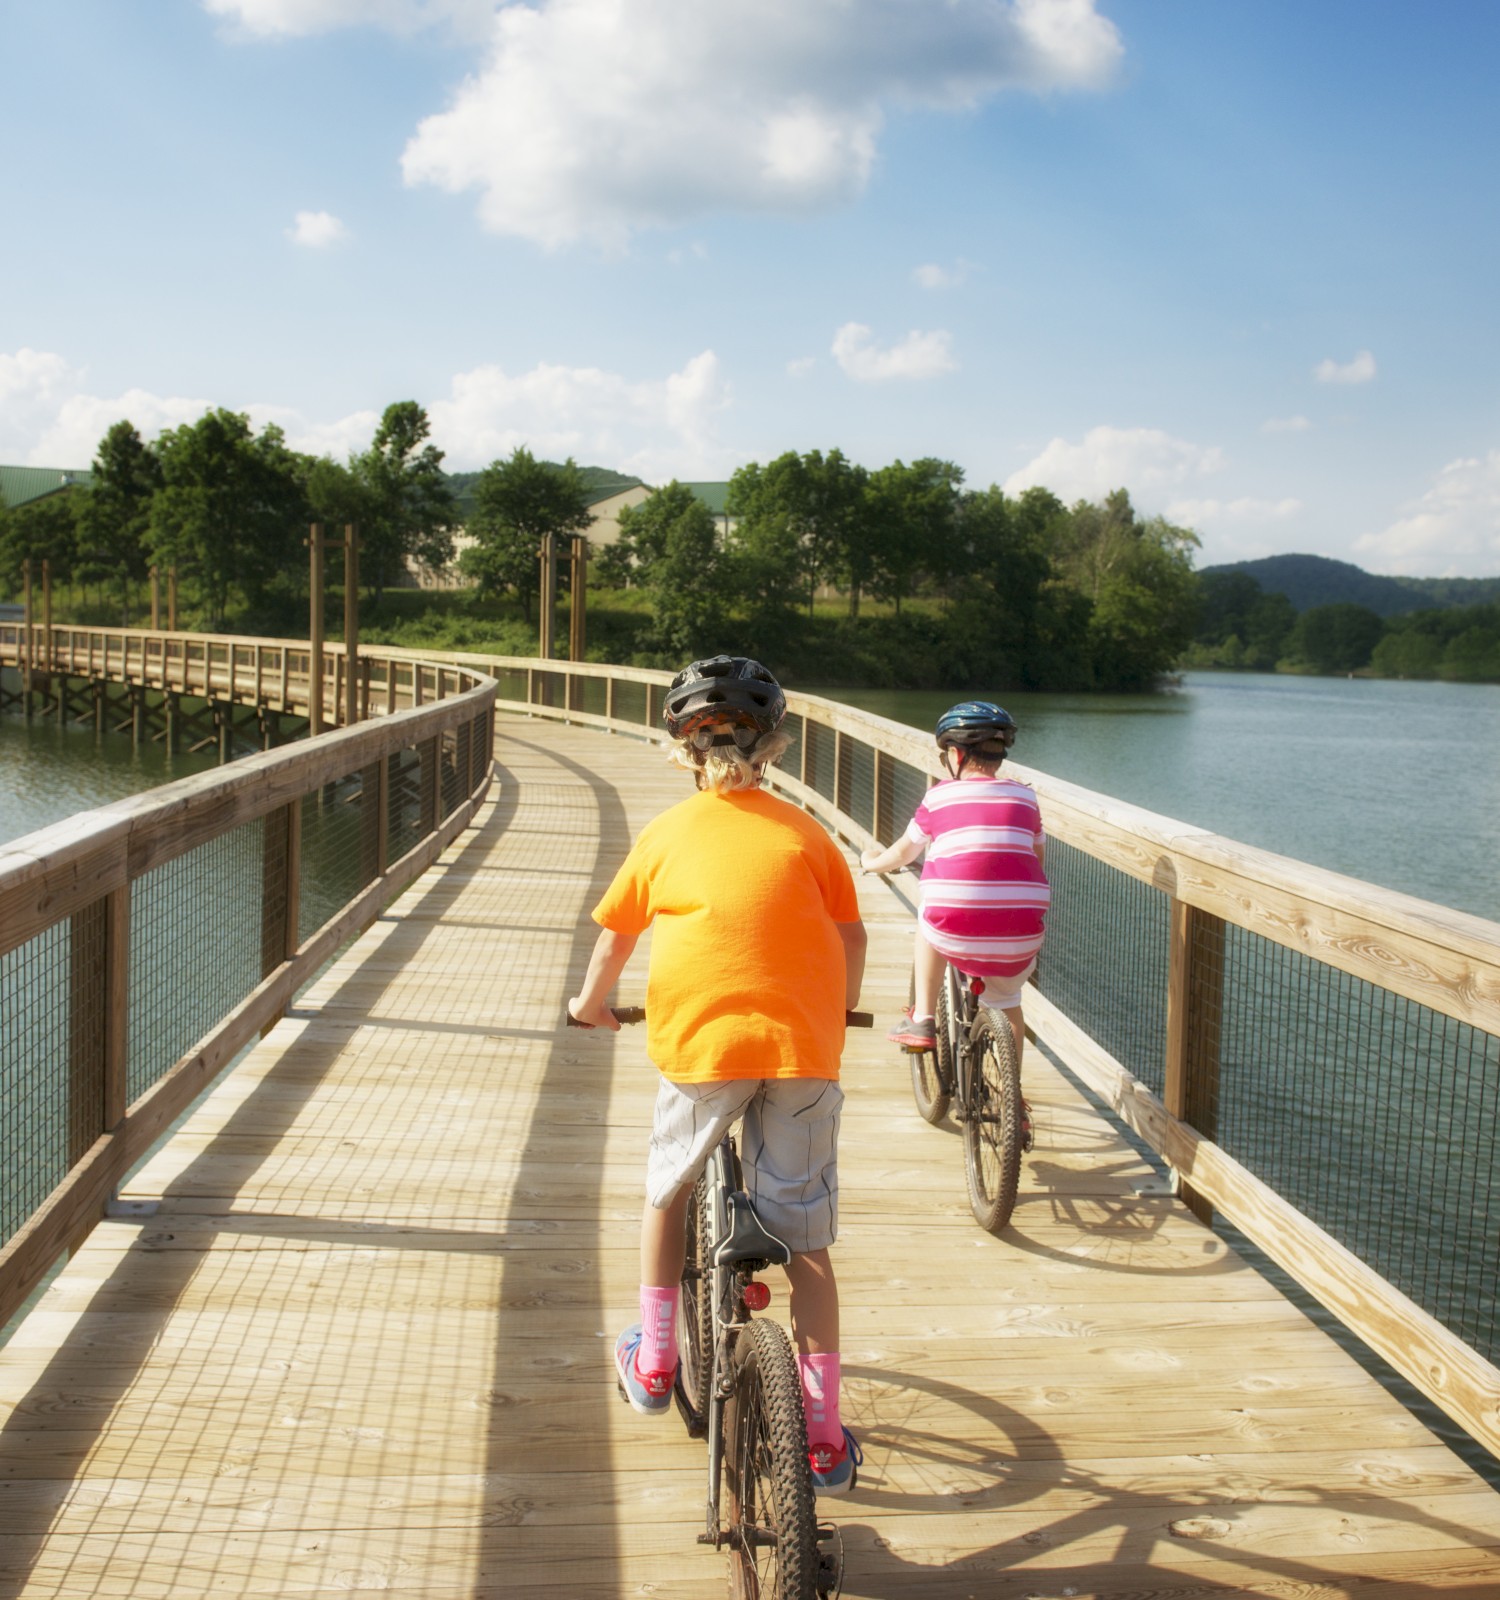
x=748 y=1238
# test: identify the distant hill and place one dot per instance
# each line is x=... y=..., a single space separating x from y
x=1309 y=581
x=594 y=479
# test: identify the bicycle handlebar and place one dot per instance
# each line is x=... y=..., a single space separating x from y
x=625 y=1015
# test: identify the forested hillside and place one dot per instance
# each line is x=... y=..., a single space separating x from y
x=1309 y=581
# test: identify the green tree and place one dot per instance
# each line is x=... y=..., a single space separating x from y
x=808 y=509
x=910 y=531
x=231 y=508
x=1473 y=656
x=115 y=513
x=1407 y=653
x=676 y=543
x=518 y=503
x=43 y=530
x=1335 y=638
x=411 y=510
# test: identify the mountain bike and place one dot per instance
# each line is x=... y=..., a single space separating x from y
x=974 y=1070
x=738 y=1387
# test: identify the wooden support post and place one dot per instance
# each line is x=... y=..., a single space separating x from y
x=171 y=599
x=293 y=877
x=547 y=601
x=880 y=820
x=27 y=648
x=578 y=599
x=351 y=625
x=315 y=632
x=1195 y=1008
x=155 y=600
x=117 y=1007
x=47 y=627
x=383 y=816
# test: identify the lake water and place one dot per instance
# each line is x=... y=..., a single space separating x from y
x=1396 y=783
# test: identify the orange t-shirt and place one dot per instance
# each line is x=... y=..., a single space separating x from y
x=747 y=968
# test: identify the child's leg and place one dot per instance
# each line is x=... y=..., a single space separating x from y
x=663 y=1249
x=928 y=966
x=815 y=1326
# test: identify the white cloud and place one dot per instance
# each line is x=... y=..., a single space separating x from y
x=1192 y=513
x=1285 y=425
x=590 y=119
x=801 y=366
x=1145 y=461
x=918 y=355
x=655 y=429
x=1453 y=530
x=316 y=230
x=271 y=19
x=1360 y=370
x=934 y=276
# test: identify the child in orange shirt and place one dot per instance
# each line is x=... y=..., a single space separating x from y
x=758 y=951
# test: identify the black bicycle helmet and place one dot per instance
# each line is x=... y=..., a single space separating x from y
x=728 y=689
x=977 y=724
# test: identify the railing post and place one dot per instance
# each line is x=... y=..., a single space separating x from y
x=880 y=818
x=1195 y=1008
x=383 y=815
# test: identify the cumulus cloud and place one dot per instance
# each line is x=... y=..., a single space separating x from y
x=316 y=230
x=656 y=428
x=1360 y=370
x=590 y=119
x=1285 y=425
x=1246 y=509
x=653 y=428
x=934 y=276
x=1145 y=461
x=271 y=19
x=918 y=355
x=1452 y=531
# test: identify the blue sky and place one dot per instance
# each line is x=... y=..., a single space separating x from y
x=1237 y=256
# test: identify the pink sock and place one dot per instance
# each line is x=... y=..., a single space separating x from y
x=658 y=1352
x=820 y=1397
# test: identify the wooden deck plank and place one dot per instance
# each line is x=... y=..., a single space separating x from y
x=360 y=1336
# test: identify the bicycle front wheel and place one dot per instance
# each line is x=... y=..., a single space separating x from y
x=773 y=1525
x=932 y=1070
x=992 y=1128
x=695 y=1320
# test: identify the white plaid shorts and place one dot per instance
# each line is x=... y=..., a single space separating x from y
x=788 y=1149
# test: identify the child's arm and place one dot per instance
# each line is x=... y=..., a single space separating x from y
x=611 y=951
x=905 y=850
x=855 y=940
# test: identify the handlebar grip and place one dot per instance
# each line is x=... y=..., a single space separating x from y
x=622 y=1015
x=859 y=1019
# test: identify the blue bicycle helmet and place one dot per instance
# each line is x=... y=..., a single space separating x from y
x=724 y=689
x=978 y=725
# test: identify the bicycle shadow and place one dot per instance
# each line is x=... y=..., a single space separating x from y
x=931 y=1482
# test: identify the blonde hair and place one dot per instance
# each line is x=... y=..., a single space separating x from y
x=725 y=767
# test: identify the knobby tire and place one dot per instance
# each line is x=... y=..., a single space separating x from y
x=932 y=1079
x=773 y=1525
x=695 y=1322
x=992 y=1129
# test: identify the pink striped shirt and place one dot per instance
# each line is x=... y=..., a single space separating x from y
x=984 y=893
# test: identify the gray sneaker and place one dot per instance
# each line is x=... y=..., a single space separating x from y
x=914 y=1033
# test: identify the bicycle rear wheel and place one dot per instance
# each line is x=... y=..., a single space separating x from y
x=695 y=1318
x=993 y=1127
x=773 y=1525
x=932 y=1070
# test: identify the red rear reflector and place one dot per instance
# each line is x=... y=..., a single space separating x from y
x=757 y=1297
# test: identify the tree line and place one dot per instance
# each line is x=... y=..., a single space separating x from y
x=897 y=575
x=1241 y=625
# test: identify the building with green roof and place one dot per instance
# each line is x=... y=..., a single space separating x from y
x=20 y=486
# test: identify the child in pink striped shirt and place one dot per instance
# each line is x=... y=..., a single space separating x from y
x=984 y=890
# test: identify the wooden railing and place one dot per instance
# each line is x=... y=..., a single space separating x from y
x=1176 y=901
x=862 y=774
x=243 y=670
x=145 y=943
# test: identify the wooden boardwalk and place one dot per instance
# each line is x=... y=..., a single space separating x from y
x=358 y=1335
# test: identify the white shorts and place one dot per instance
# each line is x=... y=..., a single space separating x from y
x=788 y=1149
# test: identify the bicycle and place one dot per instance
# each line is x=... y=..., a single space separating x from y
x=738 y=1387
x=974 y=1068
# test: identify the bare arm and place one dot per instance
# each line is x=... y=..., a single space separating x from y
x=854 y=940
x=902 y=853
x=611 y=952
